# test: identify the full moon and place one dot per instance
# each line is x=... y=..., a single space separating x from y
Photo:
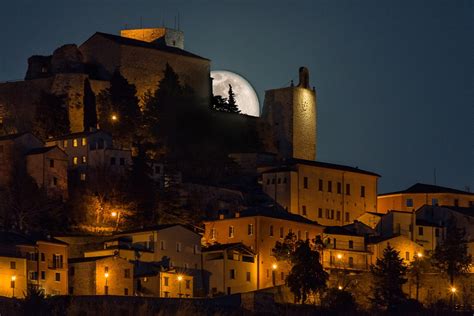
x=245 y=95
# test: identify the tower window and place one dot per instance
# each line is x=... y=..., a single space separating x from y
x=362 y=191
x=339 y=188
x=348 y=189
x=320 y=185
x=329 y=186
x=305 y=182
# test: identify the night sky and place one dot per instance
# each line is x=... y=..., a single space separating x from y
x=394 y=78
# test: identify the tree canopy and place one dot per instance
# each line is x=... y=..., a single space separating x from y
x=388 y=276
x=51 y=115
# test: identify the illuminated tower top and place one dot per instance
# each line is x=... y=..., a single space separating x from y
x=167 y=36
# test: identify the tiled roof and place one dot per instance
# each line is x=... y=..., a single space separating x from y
x=275 y=212
x=41 y=150
x=133 y=42
x=290 y=164
x=428 y=188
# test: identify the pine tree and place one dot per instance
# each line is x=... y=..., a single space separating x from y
x=90 y=111
x=219 y=103
x=52 y=118
x=119 y=111
x=451 y=255
x=307 y=274
x=231 y=103
x=388 y=277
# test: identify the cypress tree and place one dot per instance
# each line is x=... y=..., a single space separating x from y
x=90 y=112
x=231 y=103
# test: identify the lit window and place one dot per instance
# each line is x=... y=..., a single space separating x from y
x=65 y=143
x=74 y=143
x=250 y=229
x=231 y=231
x=84 y=160
x=84 y=141
x=75 y=161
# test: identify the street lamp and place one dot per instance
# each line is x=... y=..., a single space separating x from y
x=420 y=255
x=453 y=291
x=180 y=278
x=12 y=284
x=274 y=267
x=113 y=214
x=106 y=275
x=339 y=287
x=114 y=117
x=339 y=256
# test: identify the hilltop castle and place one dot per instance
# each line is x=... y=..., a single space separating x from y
x=287 y=126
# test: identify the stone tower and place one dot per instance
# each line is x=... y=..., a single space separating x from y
x=289 y=116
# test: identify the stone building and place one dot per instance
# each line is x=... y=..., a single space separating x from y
x=171 y=246
x=13 y=148
x=232 y=268
x=421 y=194
x=14 y=276
x=140 y=59
x=407 y=248
x=344 y=250
x=327 y=193
x=40 y=262
x=290 y=116
x=104 y=275
x=48 y=167
x=259 y=229
x=157 y=281
x=90 y=153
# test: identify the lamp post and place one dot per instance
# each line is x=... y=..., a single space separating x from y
x=12 y=284
x=274 y=267
x=453 y=292
x=180 y=278
x=106 y=275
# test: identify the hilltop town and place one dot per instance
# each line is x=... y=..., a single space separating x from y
x=119 y=178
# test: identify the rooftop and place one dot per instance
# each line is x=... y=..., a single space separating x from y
x=78 y=134
x=88 y=259
x=427 y=188
x=339 y=230
x=41 y=150
x=273 y=212
x=290 y=165
x=219 y=247
x=137 y=43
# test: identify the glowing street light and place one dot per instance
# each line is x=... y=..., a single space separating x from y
x=339 y=287
x=113 y=214
x=274 y=266
x=339 y=256
x=106 y=275
x=180 y=278
x=114 y=117
x=453 y=290
x=420 y=255
x=12 y=284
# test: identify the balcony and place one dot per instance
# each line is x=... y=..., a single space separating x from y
x=56 y=265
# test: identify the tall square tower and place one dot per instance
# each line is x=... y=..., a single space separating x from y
x=290 y=117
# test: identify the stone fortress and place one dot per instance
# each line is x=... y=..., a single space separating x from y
x=287 y=126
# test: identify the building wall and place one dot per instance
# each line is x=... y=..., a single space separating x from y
x=337 y=253
x=293 y=195
x=219 y=264
x=19 y=273
x=12 y=154
x=117 y=282
x=171 y=37
x=291 y=117
x=175 y=287
x=38 y=166
x=50 y=283
x=260 y=241
x=82 y=278
x=399 y=201
x=370 y=220
x=400 y=243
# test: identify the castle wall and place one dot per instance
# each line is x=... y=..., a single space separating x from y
x=145 y=68
x=304 y=124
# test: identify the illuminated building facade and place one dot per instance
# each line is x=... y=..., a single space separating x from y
x=326 y=193
x=232 y=268
x=421 y=194
x=105 y=275
x=260 y=229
